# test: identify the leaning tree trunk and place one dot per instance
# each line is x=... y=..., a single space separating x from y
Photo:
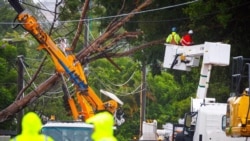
x=18 y=105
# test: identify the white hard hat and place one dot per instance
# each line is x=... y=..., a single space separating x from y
x=190 y=32
x=247 y=89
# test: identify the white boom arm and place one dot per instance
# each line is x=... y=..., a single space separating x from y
x=186 y=57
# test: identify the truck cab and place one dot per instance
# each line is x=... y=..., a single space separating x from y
x=68 y=131
x=207 y=126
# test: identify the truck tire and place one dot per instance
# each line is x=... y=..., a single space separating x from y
x=180 y=137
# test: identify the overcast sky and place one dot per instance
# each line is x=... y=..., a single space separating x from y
x=47 y=4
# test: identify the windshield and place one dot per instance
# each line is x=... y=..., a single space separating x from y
x=68 y=133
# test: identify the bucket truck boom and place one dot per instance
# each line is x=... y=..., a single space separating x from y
x=203 y=122
x=205 y=117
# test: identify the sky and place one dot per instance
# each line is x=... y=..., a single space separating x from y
x=36 y=1
x=47 y=4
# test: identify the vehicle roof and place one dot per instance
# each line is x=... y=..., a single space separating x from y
x=67 y=124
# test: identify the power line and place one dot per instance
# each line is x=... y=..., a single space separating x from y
x=27 y=72
x=108 y=88
x=141 y=12
x=44 y=9
x=116 y=16
x=118 y=85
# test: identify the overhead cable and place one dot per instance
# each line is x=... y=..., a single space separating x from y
x=121 y=15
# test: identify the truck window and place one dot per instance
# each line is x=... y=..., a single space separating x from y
x=68 y=133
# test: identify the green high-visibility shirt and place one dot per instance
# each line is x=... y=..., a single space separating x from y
x=103 y=124
x=31 y=126
x=173 y=38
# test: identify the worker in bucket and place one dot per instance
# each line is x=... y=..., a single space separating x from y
x=187 y=40
x=173 y=37
x=103 y=127
x=31 y=126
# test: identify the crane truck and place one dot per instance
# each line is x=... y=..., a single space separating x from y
x=84 y=102
x=203 y=122
x=236 y=122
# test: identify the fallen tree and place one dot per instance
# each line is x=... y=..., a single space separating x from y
x=96 y=47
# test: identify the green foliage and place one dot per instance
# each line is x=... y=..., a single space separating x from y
x=10 y=53
x=7 y=16
x=6 y=97
x=54 y=101
x=228 y=23
x=129 y=130
x=168 y=92
x=220 y=84
x=125 y=84
x=71 y=8
x=180 y=108
x=5 y=100
x=162 y=93
x=8 y=77
x=103 y=75
x=161 y=86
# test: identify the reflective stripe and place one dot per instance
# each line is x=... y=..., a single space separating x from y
x=46 y=138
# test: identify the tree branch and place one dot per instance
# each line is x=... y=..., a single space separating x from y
x=16 y=106
x=46 y=85
x=55 y=16
x=32 y=80
x=80 y=25
x=129 y=52
x=93 y=47
x=115 y=19
x=119 y=37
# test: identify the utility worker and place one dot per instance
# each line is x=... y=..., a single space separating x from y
x=31 y=126
x=187 y=40
x=103 y=127
x=173 y=38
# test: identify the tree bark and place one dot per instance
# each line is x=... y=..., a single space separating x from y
x=17 y=105
x=80 y=24
x=106 y=35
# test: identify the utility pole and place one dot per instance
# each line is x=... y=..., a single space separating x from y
x=86 y=32
x=86 y=39
x=143 y=96
x=86 y=28
x=20 y=79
